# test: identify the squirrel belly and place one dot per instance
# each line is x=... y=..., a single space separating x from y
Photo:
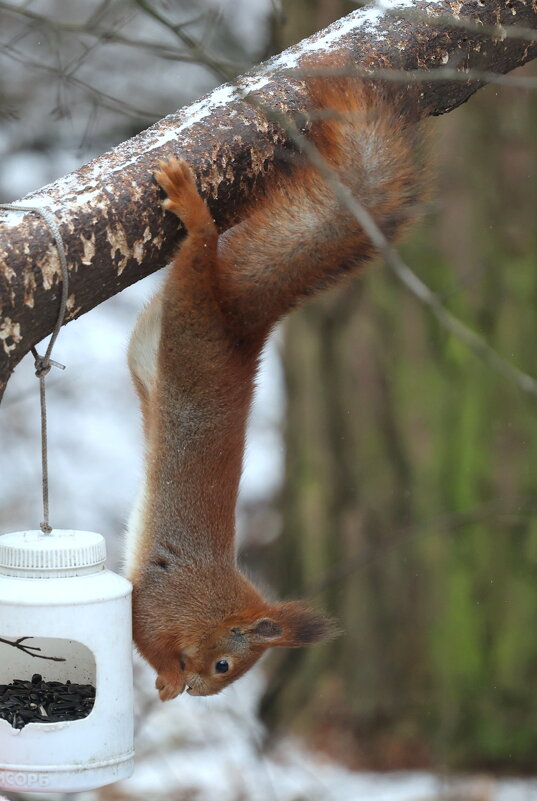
x=194 y=356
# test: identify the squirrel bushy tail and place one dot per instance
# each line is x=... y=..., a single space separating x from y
x=298 y=238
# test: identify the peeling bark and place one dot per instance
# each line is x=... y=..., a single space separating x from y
x=109 y=211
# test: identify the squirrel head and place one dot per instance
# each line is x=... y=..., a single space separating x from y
x=233 y=647
x=215 y=627
x=204 y=665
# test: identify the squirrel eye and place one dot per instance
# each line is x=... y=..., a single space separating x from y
x=222 y=666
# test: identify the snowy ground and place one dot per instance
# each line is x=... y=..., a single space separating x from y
x=203 y=749
x=214 y=749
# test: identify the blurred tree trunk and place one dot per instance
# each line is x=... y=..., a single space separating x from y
x=409 y=505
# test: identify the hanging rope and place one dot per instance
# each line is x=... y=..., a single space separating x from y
x=44 y=363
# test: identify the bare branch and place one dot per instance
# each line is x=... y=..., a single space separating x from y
x=109 y=211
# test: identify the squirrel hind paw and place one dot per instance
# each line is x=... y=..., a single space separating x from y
x=177 y=180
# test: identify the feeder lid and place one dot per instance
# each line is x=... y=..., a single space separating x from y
x=63 y=553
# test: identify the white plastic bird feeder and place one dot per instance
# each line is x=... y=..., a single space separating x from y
x=60 y=602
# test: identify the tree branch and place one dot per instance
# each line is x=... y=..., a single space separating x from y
x=109 y=212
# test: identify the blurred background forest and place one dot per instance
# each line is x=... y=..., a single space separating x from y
x=390 y=472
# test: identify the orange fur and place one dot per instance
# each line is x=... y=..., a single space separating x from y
x=193 y=609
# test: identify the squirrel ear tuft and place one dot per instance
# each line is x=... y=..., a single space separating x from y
x=290 y=624
x=264 y=630
x=301 y=625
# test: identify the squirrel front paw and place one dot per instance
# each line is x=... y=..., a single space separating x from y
x=170 y=684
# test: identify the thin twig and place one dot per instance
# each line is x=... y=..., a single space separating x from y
x=106 y=100
x=438 y=74
x=27 y=649
x=500 y=32
x=106 y=35
x=219 y=68
x=475 y=342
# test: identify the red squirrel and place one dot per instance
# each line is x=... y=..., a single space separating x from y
x=194 y=354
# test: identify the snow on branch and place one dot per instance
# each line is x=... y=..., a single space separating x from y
x=109 y=211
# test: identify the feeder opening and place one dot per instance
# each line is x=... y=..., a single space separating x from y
x=45 y=680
